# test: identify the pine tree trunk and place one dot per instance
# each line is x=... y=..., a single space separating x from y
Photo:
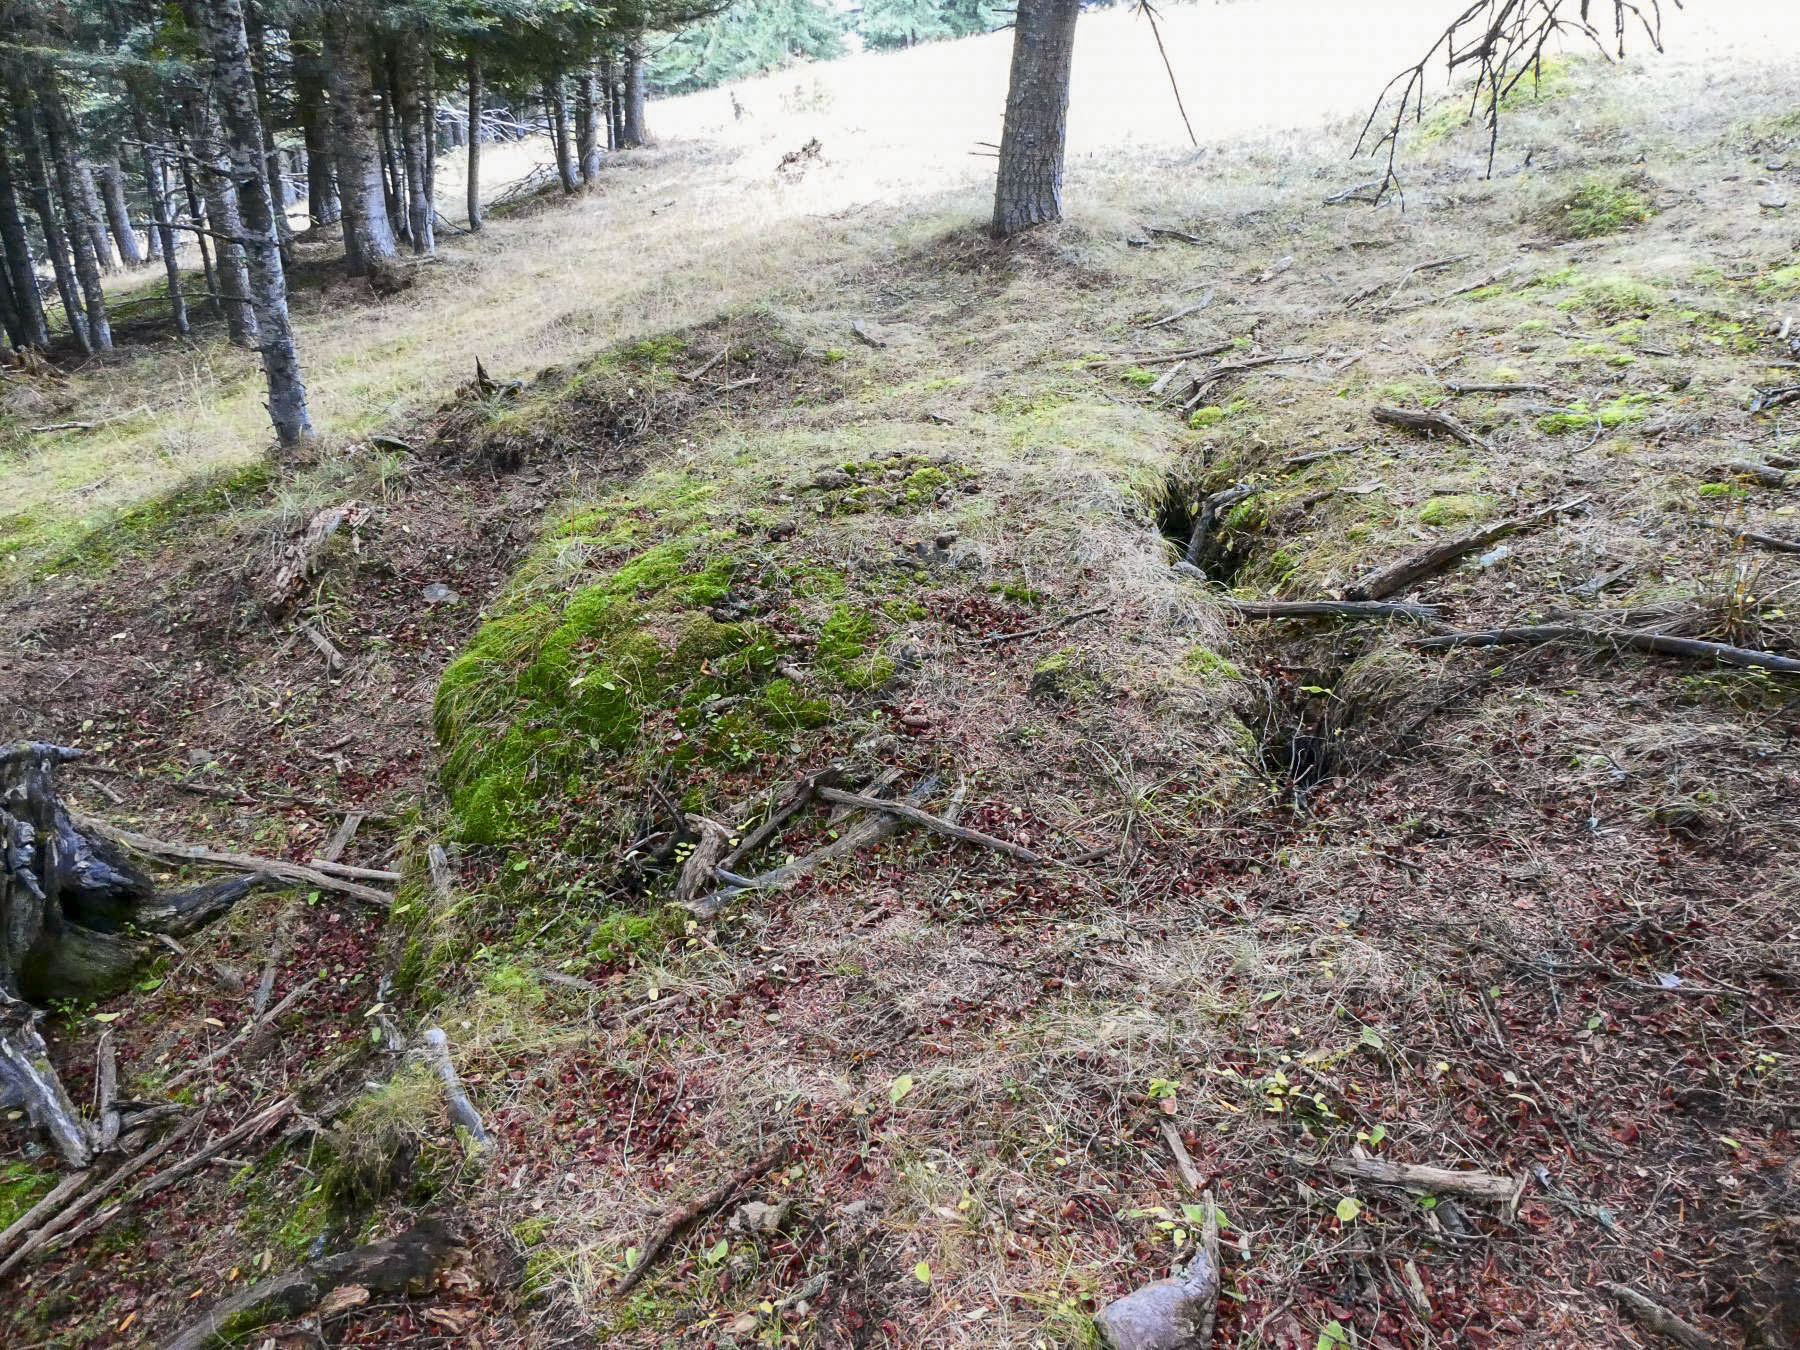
x=615 y=100
x=278 y=194
x=587 y=141
x=1029 y=188
x=59 y=139
x=557 y=108
x=633 y=133
x=235 y=88
x=393 y=175
x=475 y=100
x=10 y=317
x=315 y=127
x=197 y=213
x=89 y=188
x=429 y=127
x=368 y=235
x=37 y=191
x=230 y=264
x=118 y=213
x=20 y=268
x=409 y=108
x=160 y=214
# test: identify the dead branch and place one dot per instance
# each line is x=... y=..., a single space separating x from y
x=1064 y=622
x=462 y=1110
x=396 y=1265
x=1316 y=609
x=1203 y=385
x=1211 y=509
x=1663 y=643
x=934 y=823
x=1658 y=1319
x=1184 y=1162
x=27 y=1222
x=243 y=862
x=1769 y=541
x=860 y=835
x=340 y=840
x=248 y=1032
x=683 y=1215
x=1414 y=419
x=1763 y=475
x=1458 y=388
x=708 y=855
x=796 y=797
x=1500 y=42
x=1492 y=1186
x=1386 y=581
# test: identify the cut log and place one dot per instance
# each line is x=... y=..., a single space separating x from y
x=1666 y=644
x=1396 y=577
x=408 y=1262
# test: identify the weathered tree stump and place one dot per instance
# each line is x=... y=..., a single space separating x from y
x=73 y=912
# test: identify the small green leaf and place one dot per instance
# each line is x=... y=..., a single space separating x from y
x=1372 y=1038
x=1332 y=1336
x=1724 y=1139
x=922 y=1272
x=1348 y=1208
x=902 y=1085
x=719 y=1251
x=1377 y=1134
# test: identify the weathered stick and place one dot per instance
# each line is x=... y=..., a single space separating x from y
x=249 y=1029
x=935 y=823
x=1184 y=1162
x=708 y=855
x=1767 y=475
x=353 y=873
x=243 y=862
x=797 y=796
x=1770 y=541
x=462 y=1110
x=1386 y=581
x=1314 y=609
x=340 y=839
x=680 y=1217
x=1414 y=419
x=1665 y=643
x=859 y=835
x=1657 y=1318
x=1458 y=388
x=1041 y=629
x=106 y=1134
x=1493 y=1186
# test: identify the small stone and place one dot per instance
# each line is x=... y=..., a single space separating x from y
x=831 y=480
x=200 y=758
x=784 y=529
x=944 y=540
x=1773 y=201
x=1495 y=555
x=743 y=1324
x=437 y=593
x=756 y=1217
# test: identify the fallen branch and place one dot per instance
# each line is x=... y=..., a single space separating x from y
x=1764 y=475
x=1657 y=1318
x=1398 y=576
x=858 y=836
x=934 y=823
x=1666 y=644
x=1770 y=541
x=1456 y=388
x=1210 y=510
x=1317 y=609
x=1413 y=419
x=243 y=862
x=396 y=1265
x=27 y=1222
x=796 y=797
x=1492 y=1186
x=1184 y=1162
x=248 y=1031
x=680 y=1217
x=332 y=868
x=1039 y=631
x=462 y=1110
x=1203 y=384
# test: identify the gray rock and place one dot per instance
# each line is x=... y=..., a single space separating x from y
x=437 y=593
x=756 y=1217
x=831 y=480
x=1773 y=201
x=1172 y=1314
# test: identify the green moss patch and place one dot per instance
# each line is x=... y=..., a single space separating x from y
x=1621 y=411
x=1455 y=509
x=1599 y=208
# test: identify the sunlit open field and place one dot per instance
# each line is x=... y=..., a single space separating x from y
x=704 y=222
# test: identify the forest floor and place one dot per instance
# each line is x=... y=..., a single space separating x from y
x=908 y=511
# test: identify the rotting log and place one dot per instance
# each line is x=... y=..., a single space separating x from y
x=72 y=905
x=393 y=1266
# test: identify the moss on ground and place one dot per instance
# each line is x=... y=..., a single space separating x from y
x=1599 y=208
x=1624 y=410
x=21 y=1187
x=1455 y=509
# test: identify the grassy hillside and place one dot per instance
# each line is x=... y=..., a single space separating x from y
x=867 y=495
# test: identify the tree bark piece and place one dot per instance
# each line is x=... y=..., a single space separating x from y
x=1028 y=186
x=1665 y=644
x=709 y=853
x=679 y=1218
x=407 y=1262
x=1658 y=1319
x=1413 y=419
x=1386 y=581
x=246 y=862
x=911 y=813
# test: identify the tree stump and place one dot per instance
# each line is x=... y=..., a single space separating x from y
x=73 y=910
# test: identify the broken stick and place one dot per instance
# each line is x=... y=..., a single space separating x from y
x=1414 y=419
x=1657 y=1318
x=1395 y=577
x=936 y=823
x=683 y=1215
x=1666 y=644
x=1492 y=1186
x=462 y=1110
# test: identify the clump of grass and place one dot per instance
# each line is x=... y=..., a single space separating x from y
x=1599 y=208
x=1455 y=509
x=1611 y=299
x=1624 y=410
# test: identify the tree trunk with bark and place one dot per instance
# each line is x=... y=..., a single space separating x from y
x=368 y=235
x=315 y=129
x=232 y=271
x=118 y=212
x=475 y=99
x=409 y=109
x=83 y=224
x=277 y=181
x=160 y=215
x=556 y=108
x=71 y=905
x=10 y=317
x=633 y=133
x=393 y=174
x=222 y=23
x=20 y=268
x=197 y=213
x=587 y=138
x=94 y=209
x=37 y=191
x=615 y=103
x=1029 y=188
